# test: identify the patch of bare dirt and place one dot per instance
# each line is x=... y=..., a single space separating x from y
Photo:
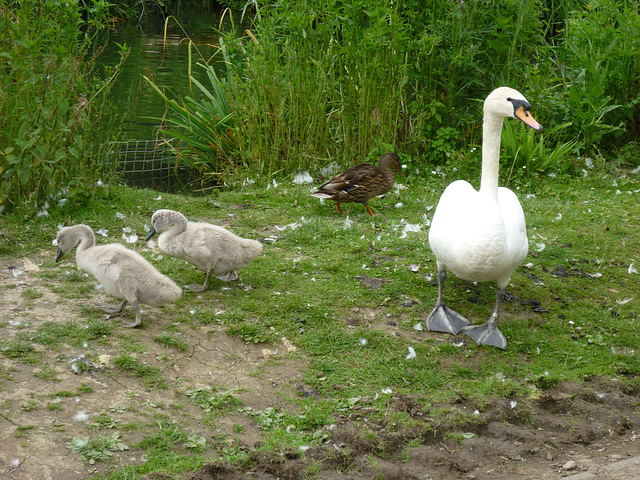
x=572 y=429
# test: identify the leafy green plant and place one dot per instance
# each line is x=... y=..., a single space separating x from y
x=195 y=442
x=149 y=374
x=53 y=104
x=97 y=449
x=172 y=342
x=211 y=400
x=250 y=332
x=526 y=150
x=102 y=421
x=204 y=127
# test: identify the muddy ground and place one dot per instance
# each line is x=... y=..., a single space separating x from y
x=569 y=430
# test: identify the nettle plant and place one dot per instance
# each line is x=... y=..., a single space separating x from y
x=54 y=101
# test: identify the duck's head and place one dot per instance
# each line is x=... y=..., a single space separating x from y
x=508 y=102
x=391 y=161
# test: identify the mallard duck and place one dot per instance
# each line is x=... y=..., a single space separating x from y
x=481 y=235
x=123 y=273
x=211 y=248
x=361 y=183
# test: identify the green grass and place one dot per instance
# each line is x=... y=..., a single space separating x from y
x=308 y=287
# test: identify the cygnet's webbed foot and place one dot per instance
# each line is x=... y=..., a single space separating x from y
x=443 y=319
x=487 y=334
x=138 y=321
x=195 y=288
x=113 y=309
x=229 y=276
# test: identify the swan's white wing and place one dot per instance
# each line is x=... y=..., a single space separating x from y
x=515 y=227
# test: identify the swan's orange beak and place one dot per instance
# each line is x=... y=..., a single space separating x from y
x=526 y=117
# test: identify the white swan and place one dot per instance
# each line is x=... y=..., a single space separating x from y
x=211 y=248
x=481 y=235
x=125 y=274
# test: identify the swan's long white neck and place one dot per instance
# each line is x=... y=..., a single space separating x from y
x=491 y=134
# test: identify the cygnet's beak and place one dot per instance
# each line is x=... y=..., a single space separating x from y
x=151 y=233
x=59 y=255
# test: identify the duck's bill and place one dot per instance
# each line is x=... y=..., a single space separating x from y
x=527 y=118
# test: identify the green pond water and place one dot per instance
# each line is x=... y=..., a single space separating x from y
x=141 y=159
x=164 y=60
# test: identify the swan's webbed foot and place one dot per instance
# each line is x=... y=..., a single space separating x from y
x=443 y=319
x=138 y=321
x=487 y=334
x=113 y=309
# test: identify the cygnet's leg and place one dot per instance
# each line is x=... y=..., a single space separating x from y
x=138 y=321
x=488 y=334
x=442 y=318
x=195 y=288
x=112 y=309
x=229 y=276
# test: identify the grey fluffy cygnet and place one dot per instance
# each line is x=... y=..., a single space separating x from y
x=125 y=274
x=211 y=248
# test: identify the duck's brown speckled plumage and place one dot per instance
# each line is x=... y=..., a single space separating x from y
x=361 y=183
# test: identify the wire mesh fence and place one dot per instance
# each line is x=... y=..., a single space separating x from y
x=149 y=164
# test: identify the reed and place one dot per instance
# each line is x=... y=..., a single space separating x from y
x=322 y=81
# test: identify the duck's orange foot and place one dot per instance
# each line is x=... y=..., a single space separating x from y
x=369 y=210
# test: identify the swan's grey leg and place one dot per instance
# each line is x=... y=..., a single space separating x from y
x=138 y=321
x=442 y=318
x=201 y=288
x=112 y=309
x=488 y=334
